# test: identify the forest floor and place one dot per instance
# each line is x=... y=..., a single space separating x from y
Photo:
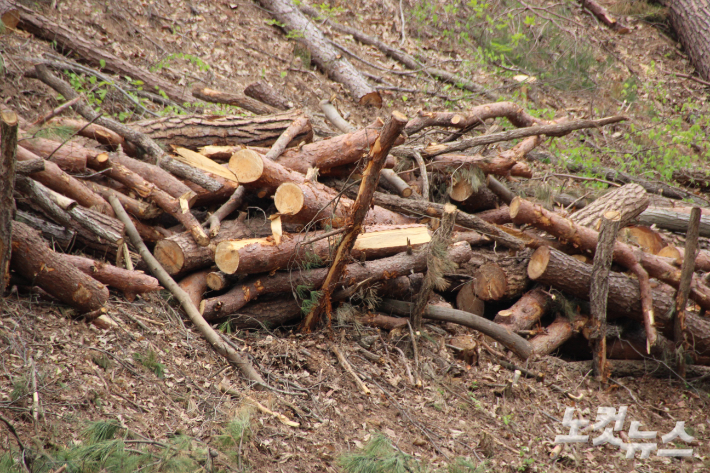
x=152 y=376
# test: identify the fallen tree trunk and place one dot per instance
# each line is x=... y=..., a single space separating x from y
x=572 y=277
x=370 y=271
x=474 y=117
x=231 y=98
x=194 y=131
x=506 y=278
x=526 y=312
x=510 y=340
x=137 y=208
x=95 y=132
x=259 y=255
x=179 y=254
x=671 y=220
x=129 y=282
x=33 y=259
x=323 y=54
x=69 y=157
x=9 y=14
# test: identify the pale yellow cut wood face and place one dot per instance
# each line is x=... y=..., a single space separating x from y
x=388 y=238
x=227 y=252
x=247 y=165
x=289 y=199
x=199 y=161
x=461 y=191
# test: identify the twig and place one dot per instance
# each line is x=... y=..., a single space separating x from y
x=415 y=349
x=35 y=394
x=686 y=276
x=280 y=417
x=699 y=81
x=583 y=178
x=55 y=112
x=207 y=331
x=331 y=113
x=215 y=220
x=346 y=366
x=406 y=366
x=423 y=172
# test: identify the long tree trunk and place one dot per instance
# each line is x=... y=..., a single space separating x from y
x=691 y=21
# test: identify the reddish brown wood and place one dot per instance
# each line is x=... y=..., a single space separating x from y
x=137 y=208
x=33 y=259
x=195 y=286
x=263 y=92
x=555 y=335
x=8 y=151
x=232 y=98
x=129 y=282
x=476 y=116
x=96 y=132
x=70 y=157
x=526 y=312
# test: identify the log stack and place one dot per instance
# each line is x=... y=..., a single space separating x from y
x=246 y=214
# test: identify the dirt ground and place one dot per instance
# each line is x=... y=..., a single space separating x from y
x=85 y=373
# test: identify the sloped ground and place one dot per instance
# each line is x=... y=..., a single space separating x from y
x=83 y=373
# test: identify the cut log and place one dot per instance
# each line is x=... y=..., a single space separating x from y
x=506 y=278
x=554 y=268
x=603 y=15
x=9 y=14
x=430 y=209
x=236 y=99
x=199 y=161
x=8 y=151
x=467 y=301
x=33 y=259
x=488 y=164
x=177 y=208
x=499 y=216
x=194 y=131
x=137 y=208
x=330 y=60
x=672 y=220
x=312 y=202
x=70 y=157
x=58 y=180
x=180 y=254
x=157 y=176
x=585 y=239
x=259 y=255
x=267 y=314
x=629 y=200
x=195 y=286
x=29 y=167
x=370 y=271
x=510 y=340
x=129 y=282
x=526 y=312
x=691 y=21
x=96 y=132
x=473 y=200
x=263 y=92
x=56 y=234
x=555 y=335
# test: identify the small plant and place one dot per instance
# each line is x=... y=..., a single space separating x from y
x=191 y=58
x=149 y=359
x=379 y=456
x=236 y=433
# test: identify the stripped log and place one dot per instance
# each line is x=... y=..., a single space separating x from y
x=260 y=255
x=370 y=271
x=34 y=260
x=129 y=282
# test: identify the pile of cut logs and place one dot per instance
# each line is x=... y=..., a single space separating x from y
x=252 y=216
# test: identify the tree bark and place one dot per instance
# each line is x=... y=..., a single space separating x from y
x=599 y=291
x=471 y=200
x=680 y=336
x=56 y=234
x=629 y=200
x=96 y=132
x=391 y=181
x=476 y=116
x=9 y=14
x=180 y=254
x=70 y=157
x=129 y=282
x=29 y=167
x=565 y=273
x=259 y=255
x=195 y=286
x=526 y=311
x=371 y=271
x=504 y=278
x=691 y=21
x=585 y=239
x=8 y=151
x=263 y=92
x=510 y=340
x=137 y=208
x=322 y=52
x=236 y=99
x=376 y=159
x=33 y=259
